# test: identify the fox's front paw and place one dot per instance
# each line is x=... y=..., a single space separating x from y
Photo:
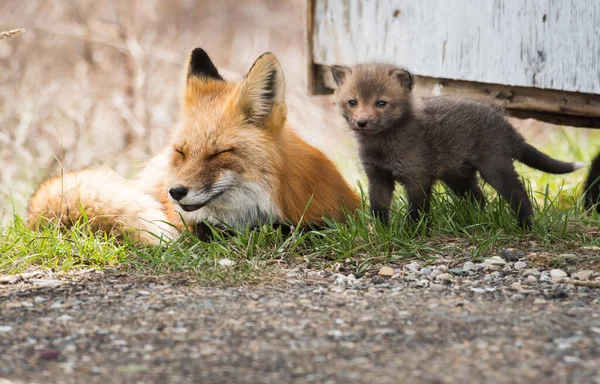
x=204 y=232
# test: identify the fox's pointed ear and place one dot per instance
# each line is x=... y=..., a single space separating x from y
x=200 y=66
x=262 y=91
x=404 y=78
x=340 y=73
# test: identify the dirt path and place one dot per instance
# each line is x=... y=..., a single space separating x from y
x=312 y=330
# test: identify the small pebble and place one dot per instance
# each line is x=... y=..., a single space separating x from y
x=558 y=275
x=508 y=255
x=442 y=268
x=495 y=260
x=49 y=354
x=5 y=328
x=316 y=274
x=386 y=272
x=481 y=266
x=436 y=287
x=545 y=277
x=532 y=279
x=46 y=282
x=583 y=275
x=445 y=278
x=412 y=267
x=516 y=286
x=568 y=256
x=10 y=279
x=468 y=266
x=457 y=271
x=591 y=247
x=559 y=292
x=520 y=265
x=226 y=262
x=378 y=279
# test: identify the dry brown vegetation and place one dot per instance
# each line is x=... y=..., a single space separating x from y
x=98 y=82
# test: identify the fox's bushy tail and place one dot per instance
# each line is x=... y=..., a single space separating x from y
x=532 y=157
x=110 y=202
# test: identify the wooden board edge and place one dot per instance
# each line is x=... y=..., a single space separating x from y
x=556 y=107
x=308 y=39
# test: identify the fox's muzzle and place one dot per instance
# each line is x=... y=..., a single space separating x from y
x=193 y=199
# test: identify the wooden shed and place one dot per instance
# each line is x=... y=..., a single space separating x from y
x=540 y=58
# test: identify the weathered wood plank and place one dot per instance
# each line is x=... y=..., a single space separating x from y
x=308 y=34
x=557 y=107
x=552 y=44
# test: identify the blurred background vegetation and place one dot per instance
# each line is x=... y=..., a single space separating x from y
x=98 y=83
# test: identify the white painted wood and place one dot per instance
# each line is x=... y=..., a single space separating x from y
x=552 y=44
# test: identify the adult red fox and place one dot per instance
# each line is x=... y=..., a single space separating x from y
x=233 y=160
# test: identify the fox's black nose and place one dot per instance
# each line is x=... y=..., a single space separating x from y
x=178 y=192
x=362 y=123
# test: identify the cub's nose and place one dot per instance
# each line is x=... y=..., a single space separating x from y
x=362 y=123
x=178 y=192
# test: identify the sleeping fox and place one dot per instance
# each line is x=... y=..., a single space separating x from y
x=233 y=161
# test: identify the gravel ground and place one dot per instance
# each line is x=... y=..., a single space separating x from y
x=492 y=322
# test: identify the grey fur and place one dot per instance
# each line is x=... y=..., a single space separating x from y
x=417 y=142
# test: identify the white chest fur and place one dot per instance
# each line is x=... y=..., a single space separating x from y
x=245 y=204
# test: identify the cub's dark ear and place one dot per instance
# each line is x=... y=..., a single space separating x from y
x=403 y=77
x=340 y=73
x=200 y=65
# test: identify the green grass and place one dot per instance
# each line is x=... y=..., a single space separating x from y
x=457 y=227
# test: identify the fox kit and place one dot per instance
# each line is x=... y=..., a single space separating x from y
x=233 y=161
x=592 y=186
x=417 y=142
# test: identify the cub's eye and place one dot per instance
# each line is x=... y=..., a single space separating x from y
x=179 y=151
x=380 y=103
x=352 y=103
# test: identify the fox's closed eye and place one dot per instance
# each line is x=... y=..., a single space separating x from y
x=222 y=152
x=179 y=150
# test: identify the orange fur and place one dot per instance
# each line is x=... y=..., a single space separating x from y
x=233 y=154
x=316 y=178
